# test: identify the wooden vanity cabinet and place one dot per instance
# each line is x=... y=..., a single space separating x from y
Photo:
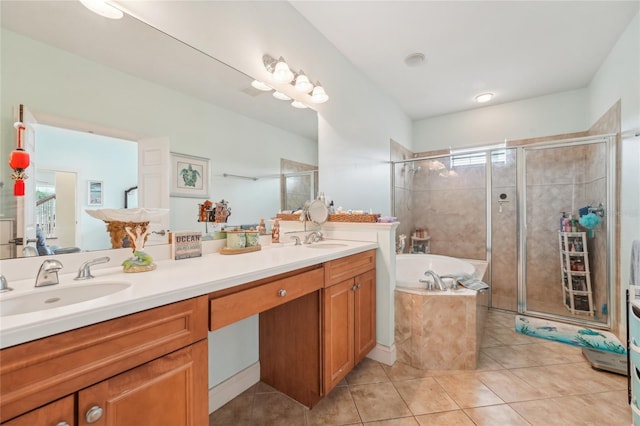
x=147 y=368
x=349 y=326
x=58 y=413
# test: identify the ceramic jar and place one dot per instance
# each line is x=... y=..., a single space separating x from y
x=252 y=238
x=236 y=239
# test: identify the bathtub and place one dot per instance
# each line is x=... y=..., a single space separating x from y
x=435 y=329
x=410 y=268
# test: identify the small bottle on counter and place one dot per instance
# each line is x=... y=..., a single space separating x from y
x=262 y=229
x=275 y=232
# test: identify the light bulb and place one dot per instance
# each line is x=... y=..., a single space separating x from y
x=303 y=84
x=298 y=104
x=282 y=73
x=318 y=95
x=281 y=96
x=260 y=86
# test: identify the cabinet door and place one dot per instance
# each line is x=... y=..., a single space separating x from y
x=57 y=413
x=338 y=332
x=365 y=314
x=171 y=390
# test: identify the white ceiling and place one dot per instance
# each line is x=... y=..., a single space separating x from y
x=515 y=49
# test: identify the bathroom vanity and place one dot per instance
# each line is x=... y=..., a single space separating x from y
x=147 y=364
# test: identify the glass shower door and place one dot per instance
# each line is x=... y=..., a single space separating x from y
x=565 y=264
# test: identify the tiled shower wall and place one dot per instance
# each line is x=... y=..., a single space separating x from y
x=450 y=203
x=295 y=190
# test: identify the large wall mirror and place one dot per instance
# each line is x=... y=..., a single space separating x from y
x=90 y=76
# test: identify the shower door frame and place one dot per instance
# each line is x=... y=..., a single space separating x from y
x=609 y=222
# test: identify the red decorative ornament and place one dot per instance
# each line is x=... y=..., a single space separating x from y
x=19 y=161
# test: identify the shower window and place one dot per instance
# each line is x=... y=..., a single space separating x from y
x=477 y=159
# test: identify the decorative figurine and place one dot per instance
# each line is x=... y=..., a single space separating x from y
x=141 y=261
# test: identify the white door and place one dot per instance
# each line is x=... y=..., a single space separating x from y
x=153 y=184
x=26 y=206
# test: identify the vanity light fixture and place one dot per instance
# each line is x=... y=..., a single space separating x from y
x=256 y=84
x=103 y=8
x=283 y=74
x=297 y=104
x=484 y=97
x=281 y=96
x=318 y=95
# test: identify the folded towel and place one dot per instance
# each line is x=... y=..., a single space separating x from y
x=634 y=276
x=468 y=281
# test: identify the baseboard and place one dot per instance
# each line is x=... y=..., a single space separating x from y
x=224 y=392
x=383 y=354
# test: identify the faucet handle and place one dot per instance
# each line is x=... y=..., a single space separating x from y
x=51 y=265
x=84 y=272
x=4 y=286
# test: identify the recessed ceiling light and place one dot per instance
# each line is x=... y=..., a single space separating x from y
x=414 y=59
x=484 y=97
x=102 y=8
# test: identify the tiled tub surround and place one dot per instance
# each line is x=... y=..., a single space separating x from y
x=440 y=330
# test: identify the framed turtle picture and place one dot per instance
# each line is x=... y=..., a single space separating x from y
x=189 y=176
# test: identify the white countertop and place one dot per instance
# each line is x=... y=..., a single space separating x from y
x=170 y=282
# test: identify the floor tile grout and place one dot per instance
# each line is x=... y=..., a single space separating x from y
x=549 y=368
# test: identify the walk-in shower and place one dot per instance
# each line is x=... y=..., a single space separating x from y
x=505 y=205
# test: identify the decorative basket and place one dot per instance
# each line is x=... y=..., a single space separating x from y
x=288 y=216
x=369 y=218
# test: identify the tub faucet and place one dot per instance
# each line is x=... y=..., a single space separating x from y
x=436 y=279
x=84 y=273
x=48 y=273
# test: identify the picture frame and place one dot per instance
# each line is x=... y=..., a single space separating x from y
x=95 y=193
x=189 y=176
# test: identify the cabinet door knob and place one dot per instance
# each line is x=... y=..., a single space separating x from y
x=282 y=292
x=62 y=424
x=93 y=414
x=354 y=287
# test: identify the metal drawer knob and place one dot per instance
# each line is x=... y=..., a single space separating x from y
x=282 y=292
x=94 y=414
x=62 y=424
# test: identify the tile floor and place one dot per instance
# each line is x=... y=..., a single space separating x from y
x=520 y=380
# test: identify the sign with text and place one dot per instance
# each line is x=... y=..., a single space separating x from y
x=186 y=244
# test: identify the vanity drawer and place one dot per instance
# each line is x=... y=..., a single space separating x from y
x=233 y=307
x=344 y=268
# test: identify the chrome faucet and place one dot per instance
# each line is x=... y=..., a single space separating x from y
x=48 y=273
x=4 y=285
x=313 y=237
x=436 y=279
x=84 y=272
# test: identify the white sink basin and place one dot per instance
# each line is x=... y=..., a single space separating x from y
x=326 y=245
x=58 y=295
